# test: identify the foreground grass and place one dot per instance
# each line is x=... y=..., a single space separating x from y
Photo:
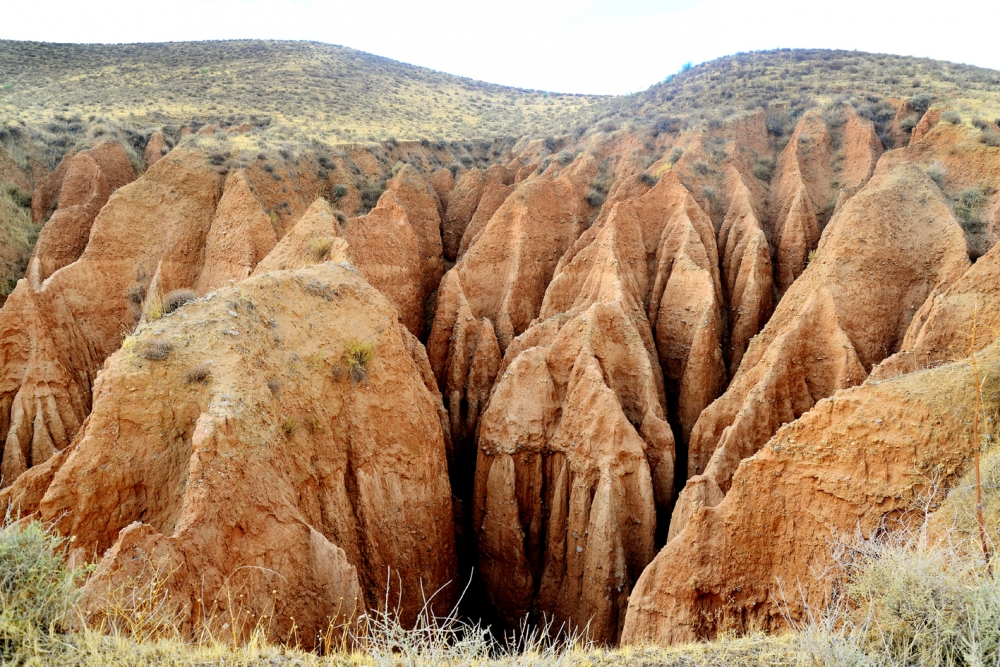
x=902 y=603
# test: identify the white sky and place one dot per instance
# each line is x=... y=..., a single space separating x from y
x=586 y=46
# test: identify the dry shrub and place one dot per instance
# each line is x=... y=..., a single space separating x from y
x=358 y=355
x=176 y=299
x=319 y=247
x=152 y=307
x=197 y=373
x=155 y=350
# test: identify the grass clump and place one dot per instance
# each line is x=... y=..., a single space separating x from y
x=176 y=299
x=358 y=356
x=155 y=350
x=37 y=591
x=197 y=373
x=952 y=117
x=968 y=206
x=937 y=173
x=153 y=307
x=319 y=247
x=290 y=427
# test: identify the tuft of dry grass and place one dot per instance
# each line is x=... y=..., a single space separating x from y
x=155 y=350
x=357 y=356
x=153 y=308
x=319 y=247
x=177 y=298
x=197 y=373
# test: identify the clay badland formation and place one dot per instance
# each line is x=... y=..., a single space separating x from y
x=637 y=374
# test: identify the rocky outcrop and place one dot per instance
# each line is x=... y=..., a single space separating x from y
x=928 y=121
x=575 y=455
x=314 y=239
x=892 y=246
x=746 y=272
x=87 y=180
x=493 y=196
x=246 y=447
x=846 y=470
x=443 y=182
x=942 y=329
x=859 y=152
x=685 y=303
x=800 y=193
x=386 y=249
x=240 y=236
x=497 y=287
x=147 y=239
x=420 y=202
x=155 y=149
x=463 y=201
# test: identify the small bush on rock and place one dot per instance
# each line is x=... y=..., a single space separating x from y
x=155 y=350
x=177 y=298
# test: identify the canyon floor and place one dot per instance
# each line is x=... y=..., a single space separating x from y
x=707 y=363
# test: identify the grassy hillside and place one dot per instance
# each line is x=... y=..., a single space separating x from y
x=328 y=91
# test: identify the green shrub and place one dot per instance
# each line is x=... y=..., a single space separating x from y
x=358 y=355
x=675 y=154
x=937 y=173
x=968 y=204
x=763 y=168
x=952 y=117
x=340 y=190
x=648 y=179
x=910 y=122
x=37 y=591
x=920 y=102
x=595 y=198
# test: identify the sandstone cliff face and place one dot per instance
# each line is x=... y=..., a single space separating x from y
x=575 y=454
x=463 y=201
x=800 y=192
x=86 y=181
x=760 y=556
x=746 y=272
x=155 y=149
x=260 y=454
x=56 y=335
x=892 y=246
x=941 y=330
x=240 y=236
x=496 y=290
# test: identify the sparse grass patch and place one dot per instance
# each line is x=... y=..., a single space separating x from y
x=17 y=238
x=290 y=427
x=319 y=247
x=357 y=356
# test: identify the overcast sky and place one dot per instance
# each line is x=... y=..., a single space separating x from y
x=587 y=46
